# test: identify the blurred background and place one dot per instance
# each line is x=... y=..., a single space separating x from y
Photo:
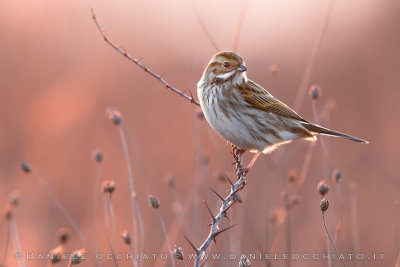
x=58 y=77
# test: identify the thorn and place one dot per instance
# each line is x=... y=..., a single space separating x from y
x=220 y=232
x=222 y=199
x=229 y=180
x=212 y=216
x=191 y=244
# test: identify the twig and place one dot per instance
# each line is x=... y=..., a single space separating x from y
x=108 y=231
x=239 y=27
x=136 y=213
x=167 y=239
x=65 y=213
x=330 y=239
x=15 y=239
x=204 y=28
x=3 y=260
x=226 y=203
x=305 y=82
x=140 y=65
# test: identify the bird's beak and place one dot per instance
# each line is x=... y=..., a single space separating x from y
x=241 y=68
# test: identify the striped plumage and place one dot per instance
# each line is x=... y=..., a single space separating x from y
x=246 y=114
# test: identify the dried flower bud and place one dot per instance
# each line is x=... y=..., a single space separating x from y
x=63 y=235
x=114 y=115
x=292 y=176
x=8 y=211
x=126 y=237
x=324 y=204
x=178 y=253
x=278 y=216
x=322 y=188
x=154 y=202
x=273 y=68
x=171 y=181
x=78 y=256
x=337 y=175
x=13 y=199
x=244 y=262
x=25 y=167
x=315 y=91
x=98 y=156
x=56 y=254
x=294 y=201
x=108 y=186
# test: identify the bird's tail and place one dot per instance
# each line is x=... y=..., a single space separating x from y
x=321 y=130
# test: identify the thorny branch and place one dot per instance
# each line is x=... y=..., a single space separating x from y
x=140 y=65
x=225 y=205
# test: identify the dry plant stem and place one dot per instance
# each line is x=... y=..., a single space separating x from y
x=353 y=212
x=95 y=196
x=341 y=205
x=113 y=222
x=66 y=214
x=330 y=239
x=240 y=183
x=15 y=239
x=239 y=27
x=140 y=65
x=205 y=30
x=108 y=231
x=166 y=239
x=3 y=259
x=136 y=214
x=311 y=60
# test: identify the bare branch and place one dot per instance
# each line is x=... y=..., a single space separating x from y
x=140 y=65
x=225 y=205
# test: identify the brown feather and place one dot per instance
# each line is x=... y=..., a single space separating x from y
x=259 y=98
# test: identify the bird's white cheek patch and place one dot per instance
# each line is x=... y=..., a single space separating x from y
x=226 y=75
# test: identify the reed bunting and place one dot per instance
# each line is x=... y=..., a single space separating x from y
x=246 y=114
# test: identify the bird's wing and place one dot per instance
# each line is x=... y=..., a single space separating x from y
x=259 y=98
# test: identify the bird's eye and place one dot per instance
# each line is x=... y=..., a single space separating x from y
x=226 y=64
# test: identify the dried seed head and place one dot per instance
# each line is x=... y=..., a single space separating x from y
x=292 y=175
x=273 y=68
x=278 y=216
x=57 y=253
x=108 y=186
x=294 y=201
x=171 y=181
x=98 y=156
x=337 y=175
x=154 y=202
x=13 y=199
x=324 y=204
x=244 y=262
x=78 y=256
x=126 y=237
x=8 y=211
x=322 y=188
x=178 y=253
x=315 y=91
x=25 y=167
x=114 y=115
x=63 y=235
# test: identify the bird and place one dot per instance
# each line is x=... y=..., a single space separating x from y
x=246 y=114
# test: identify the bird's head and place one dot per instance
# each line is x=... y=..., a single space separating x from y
x=225 y=67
